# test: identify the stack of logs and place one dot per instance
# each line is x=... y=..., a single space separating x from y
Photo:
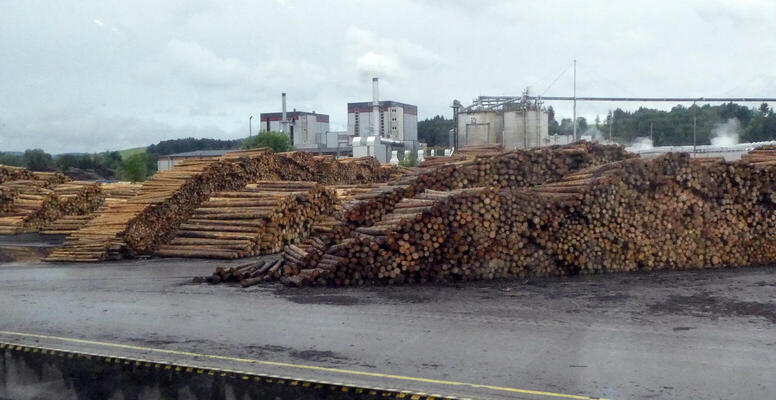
x=111 y=193
x=159 y=202
x=370 y=205
x=670 y=212
x=79 y=197
x=248 y=274
x=9 y=173
x=150 y=219
x=28 y=206
x=516 y=168
x=260 y=219
x=462 y=154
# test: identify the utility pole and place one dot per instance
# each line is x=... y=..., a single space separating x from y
x=694 y=128
x=651 y=139
x=574 y=122
x=611 y=122
x=525 y=128
x=250 y=127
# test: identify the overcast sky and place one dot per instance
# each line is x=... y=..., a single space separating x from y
x=98 y=75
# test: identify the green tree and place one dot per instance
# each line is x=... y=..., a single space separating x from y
x=191 y=144
x=277 y=141
x=435 y=131
x=410 y=159
x=553 y=126
x=38 y=160
x=13 y=159
x=581 y=125
x=135 y=168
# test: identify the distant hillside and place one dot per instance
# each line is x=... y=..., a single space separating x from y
x=129 y=152
x=191 y=144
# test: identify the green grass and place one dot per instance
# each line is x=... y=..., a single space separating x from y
x=130 y=152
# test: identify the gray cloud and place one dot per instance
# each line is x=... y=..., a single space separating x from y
x=121 y=74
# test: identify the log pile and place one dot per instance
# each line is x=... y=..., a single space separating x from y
x=156 y=226
x=165 y=198
x=27 y=206
x=763 y=155
x=248 y=274
x=365 y=206
x=79 y=197
x=53 y=178
x=670 y=212
x=165 y=201
x=9 y=173
x=462 y=154
x=260 y=219
x=111 y=193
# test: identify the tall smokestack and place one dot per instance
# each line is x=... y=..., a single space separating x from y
x=375 y=108
x=283 y=121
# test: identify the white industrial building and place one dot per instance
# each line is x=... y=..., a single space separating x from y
x=515 y=123
x=398 y=121
x=306 y=129
x=380 y=127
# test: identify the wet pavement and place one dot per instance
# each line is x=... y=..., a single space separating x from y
x=692 y=334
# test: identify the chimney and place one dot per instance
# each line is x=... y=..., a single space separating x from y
x=375 y=108
x=283 y=121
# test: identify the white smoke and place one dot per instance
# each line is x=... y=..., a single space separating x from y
x=726 y=134
x=592 y=134
x=640 y=144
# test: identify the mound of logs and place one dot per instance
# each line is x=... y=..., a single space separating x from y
x=670 y=212
x=362 y=207
x=9 y=173
x=151 y=218
x=260 y=219
x=27 y=206
x=246 y=275
x=110 y=193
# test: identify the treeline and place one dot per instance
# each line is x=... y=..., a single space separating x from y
x=435 y=131
x=110 y=164
x=675 y=127
x=91 y=166
x=173 y=146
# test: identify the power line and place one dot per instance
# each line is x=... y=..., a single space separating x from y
x=556 y=80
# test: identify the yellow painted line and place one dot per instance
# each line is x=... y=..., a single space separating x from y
x=302 y=366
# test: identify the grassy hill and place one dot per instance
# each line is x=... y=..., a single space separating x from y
x=129 y=152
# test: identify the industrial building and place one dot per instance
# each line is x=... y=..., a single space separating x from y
x=380 y=127
x=307 y=130
x=398 y=121
x=512 y=122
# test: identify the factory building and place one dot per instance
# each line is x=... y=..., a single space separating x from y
x=379 y=128
x=306 y=129
x=514 y=123
x=398 y=121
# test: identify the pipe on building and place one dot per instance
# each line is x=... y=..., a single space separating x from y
x=391 y=142
x=375 y=108
x=283 y=121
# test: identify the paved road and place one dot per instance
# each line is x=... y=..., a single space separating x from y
x=707 y=334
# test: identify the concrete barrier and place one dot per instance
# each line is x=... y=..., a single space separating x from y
x=28 y=372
